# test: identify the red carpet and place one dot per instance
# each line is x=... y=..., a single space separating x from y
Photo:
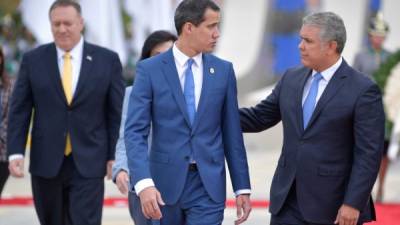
x=388 y=214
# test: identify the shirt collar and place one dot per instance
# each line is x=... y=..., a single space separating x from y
x=328 y=73
x=75 y=52
x=181 y=58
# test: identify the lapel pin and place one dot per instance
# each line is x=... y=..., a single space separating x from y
x=212 y=71
x=89 y=58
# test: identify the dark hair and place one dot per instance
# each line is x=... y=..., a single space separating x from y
x=155 y=39
x=65 y=3
x=192 y=11
x=2 y=62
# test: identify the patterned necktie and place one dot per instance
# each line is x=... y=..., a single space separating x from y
x=67 y=86
x=188 y=91
x=310 y=102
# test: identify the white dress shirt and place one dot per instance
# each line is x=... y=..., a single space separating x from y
x=197 y=69
x=76 y=60
x=326 y=77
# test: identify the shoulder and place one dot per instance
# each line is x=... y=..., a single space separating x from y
x=40 y=51
x=156 y=61
x=105 y=52
x=216 y=60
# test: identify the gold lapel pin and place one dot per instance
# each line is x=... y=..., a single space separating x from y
x=89 y=58
x=212 y=71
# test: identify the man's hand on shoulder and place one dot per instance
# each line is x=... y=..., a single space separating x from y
x=347 y=215
x=150 y=199
x=16 y=167
x=243 y=208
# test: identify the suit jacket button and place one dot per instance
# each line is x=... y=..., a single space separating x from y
x=187 y=157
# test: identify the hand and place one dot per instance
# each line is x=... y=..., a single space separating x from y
x=150 y=198
x=16 y=167
x=347 y=215
x=122 y=182
x=243 y=208
x=109 y=169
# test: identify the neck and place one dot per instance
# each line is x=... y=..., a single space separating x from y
x=184 y=46
x=329 y=62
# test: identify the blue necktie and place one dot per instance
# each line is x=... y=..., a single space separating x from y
x=309 y=103
x=188 y=91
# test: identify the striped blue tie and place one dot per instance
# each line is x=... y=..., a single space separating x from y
x=310 y=102
x=188 y=91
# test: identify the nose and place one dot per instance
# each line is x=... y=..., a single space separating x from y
x=216 y=33
x=301 y=45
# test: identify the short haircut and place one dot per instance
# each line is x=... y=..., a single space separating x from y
x=65 y=3
x=192 y=11
x=155 y=39
x=331 y=25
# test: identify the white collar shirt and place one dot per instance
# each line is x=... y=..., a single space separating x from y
x=326 y=77
x=181 y=66
x=76 y=60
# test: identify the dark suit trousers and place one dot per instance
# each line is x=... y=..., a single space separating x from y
x=4 y=173
x=68 y=198
x=290 y=213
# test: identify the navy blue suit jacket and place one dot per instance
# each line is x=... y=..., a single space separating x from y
x=92 y=119
x=335 y=160
x=157 y=98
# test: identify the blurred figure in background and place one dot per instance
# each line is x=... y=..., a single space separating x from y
x=156 y=43
x=367 y=62
x=6 y=86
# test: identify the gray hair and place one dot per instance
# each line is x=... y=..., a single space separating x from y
x=331 y=25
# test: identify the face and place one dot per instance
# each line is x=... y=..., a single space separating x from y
x=314 y=52
x=66 y=26
x=204 y=37
x=376 y=41
x=160 y=48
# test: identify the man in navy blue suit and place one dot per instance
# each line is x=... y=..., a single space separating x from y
x=333 y=125
x=189 y=98
x=74 y=91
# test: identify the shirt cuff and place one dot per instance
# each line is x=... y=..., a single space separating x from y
x=15 y=156
x=242 y=192
x=142 y=184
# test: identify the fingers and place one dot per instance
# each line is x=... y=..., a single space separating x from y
x=159 y=199
x=16 y=167
x=243 y=208
x=150 y=198
x=122 y=182
x=109 y=169
x=347 y=216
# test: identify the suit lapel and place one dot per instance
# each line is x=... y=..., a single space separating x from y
x=86 y=65
x=331 y=90
x=54 y=72
x=207 y=85
x=299 y=95
x=171 y=75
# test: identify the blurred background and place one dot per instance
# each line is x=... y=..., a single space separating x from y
x=260 y=37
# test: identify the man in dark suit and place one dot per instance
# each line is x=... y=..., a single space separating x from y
x=189 y=98
x=333 y=125
x=74 y=91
